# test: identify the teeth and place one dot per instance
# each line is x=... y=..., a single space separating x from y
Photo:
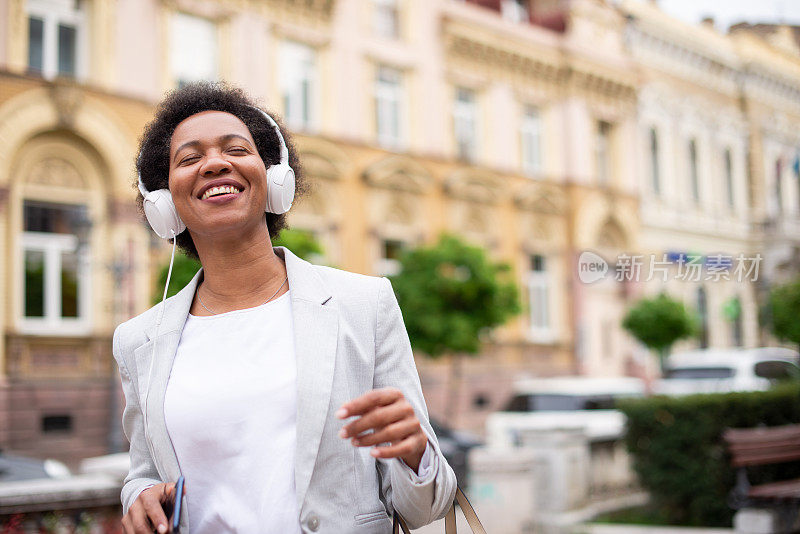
x=220 y=190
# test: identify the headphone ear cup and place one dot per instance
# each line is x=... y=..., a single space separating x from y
x=280 y=188
x=159 y=209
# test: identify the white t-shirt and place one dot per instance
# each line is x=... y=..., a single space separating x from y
x=230 y=410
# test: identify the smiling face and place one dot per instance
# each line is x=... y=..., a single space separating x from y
x=217 y=179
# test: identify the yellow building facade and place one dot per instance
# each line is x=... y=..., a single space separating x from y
x=511 y=125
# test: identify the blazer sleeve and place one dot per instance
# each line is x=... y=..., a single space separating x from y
x=143 y=472
x=423 y=502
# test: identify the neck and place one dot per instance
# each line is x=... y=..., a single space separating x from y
x=240 y=272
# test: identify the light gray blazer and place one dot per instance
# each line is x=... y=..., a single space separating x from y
x=349 y=339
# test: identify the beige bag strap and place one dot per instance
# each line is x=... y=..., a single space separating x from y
x=450 y=519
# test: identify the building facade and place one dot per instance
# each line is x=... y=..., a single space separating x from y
x=717 y=146
x=521 y=126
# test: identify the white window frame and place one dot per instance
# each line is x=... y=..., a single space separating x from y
x=540 y=302
x=197 y=48
x=654 y=151
x=531 y=141
x=389 y=108
x=53 y=13
x=386 y=18
x=602 y=147
x=514 y=11
x=298 y=66
x=53 y=246
x=778 y=171
x=465 y=124
x=693 y=161
x=729 y=178
x=387 y=266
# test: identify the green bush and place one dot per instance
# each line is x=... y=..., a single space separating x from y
x=680 y=458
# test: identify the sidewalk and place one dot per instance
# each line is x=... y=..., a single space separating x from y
x=463 y=528
x=643 y=529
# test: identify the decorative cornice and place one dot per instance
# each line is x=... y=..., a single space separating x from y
x=562 y=68
x=317 y=165
x=475 y=186
x=400 y=173
x=317 y=10
x=67 y=98
x=540 y=198
x=499 y=57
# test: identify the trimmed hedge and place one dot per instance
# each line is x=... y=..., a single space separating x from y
x=680 y=458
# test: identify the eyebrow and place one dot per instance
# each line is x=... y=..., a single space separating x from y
x=220 y=139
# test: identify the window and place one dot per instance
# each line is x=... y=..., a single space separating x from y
x=693 y=171
x=388 y=104
x=55 y=283
x=298 y=84
x=776 y=370
x=539 y=299
x=387 y=19
x=603 y=152
x=193 y=49
x=531 y=136
x=699 y=373
x=57 y=423
x=655 y=165
x=465 y=123
x=515 y=10
x=702 y=312
x=729 y=176
x=389 y=262
x=55 y=32
x=560 y=402
x=778 y=185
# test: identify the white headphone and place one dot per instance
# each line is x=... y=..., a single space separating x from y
x=160 y=211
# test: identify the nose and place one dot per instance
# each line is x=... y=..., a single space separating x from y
x=215 y=164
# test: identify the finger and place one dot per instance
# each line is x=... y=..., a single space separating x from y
x=137 y=517
x=404 y=448
x=368 y=401
x=377 y=419
x=155 y=511
x=393 y=433
x=127 y=524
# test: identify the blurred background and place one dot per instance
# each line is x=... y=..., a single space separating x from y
x=621 y=178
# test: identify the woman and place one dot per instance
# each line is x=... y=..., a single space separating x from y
x=285 y=393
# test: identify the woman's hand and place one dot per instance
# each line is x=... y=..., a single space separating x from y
x=146 y=514
x=389 y=415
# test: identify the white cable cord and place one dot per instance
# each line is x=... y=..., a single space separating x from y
x=155 y=338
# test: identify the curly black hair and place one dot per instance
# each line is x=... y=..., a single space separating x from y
x=152 y=162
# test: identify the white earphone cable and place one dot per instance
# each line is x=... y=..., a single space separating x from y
x=155 y=337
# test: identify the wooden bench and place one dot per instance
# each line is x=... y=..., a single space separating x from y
x=751 y=447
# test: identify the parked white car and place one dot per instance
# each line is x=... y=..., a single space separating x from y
x=567 y=402
x=727 y=370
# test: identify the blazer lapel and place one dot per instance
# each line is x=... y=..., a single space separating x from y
x=166 y=345
x=316 y=330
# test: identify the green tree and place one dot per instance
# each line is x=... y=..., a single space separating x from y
x=183 y=271
x=450 y=294
x=658 y=323
x=302 y=243
x=784 y=303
